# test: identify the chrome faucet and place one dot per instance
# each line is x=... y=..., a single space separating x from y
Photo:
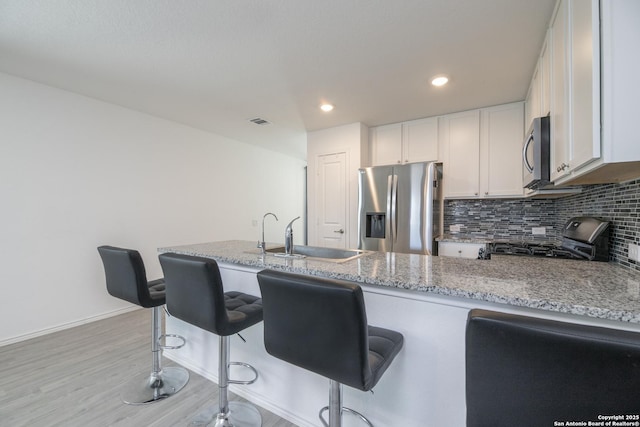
x=261 y=244
x=288 y=238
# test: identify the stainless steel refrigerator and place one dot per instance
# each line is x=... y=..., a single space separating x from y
x=400 y=208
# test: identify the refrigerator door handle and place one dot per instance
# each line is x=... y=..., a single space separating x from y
x=394 y=208
x=389 y=220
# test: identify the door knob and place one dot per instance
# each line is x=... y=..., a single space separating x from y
x=341 y=231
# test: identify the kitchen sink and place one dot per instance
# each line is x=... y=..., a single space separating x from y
x=314 y=252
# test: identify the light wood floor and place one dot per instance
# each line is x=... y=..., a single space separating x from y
x=73 y=378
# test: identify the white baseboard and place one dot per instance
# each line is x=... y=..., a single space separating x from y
x=244 y=392
x=64 y=326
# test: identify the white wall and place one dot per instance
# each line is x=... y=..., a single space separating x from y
x=76 y=173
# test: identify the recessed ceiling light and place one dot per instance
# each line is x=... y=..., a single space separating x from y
x=326 y=107
x=440 y=80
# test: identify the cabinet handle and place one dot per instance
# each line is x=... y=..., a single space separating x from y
x=399 y=161
x=475 y=194
x=562 y=167
x=341 y=231
x=486 y=193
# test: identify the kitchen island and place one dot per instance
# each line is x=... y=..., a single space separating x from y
x=425 y=298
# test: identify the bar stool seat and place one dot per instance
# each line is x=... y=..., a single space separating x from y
x=126 y=279
x=195 y=295
x=321 y=325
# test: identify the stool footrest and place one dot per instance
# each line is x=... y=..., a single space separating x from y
x=344 y=409
x=171 y=347
x=246 y=365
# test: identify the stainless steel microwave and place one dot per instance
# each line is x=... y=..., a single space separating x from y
x=535 y=154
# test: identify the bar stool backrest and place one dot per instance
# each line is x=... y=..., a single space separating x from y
x=194 y=292
x=526 y=371
x=317 y=324
x=126 y=276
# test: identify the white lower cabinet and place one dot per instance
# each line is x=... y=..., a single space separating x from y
x=460 y=250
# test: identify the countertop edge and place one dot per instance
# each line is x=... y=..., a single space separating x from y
x=322 y=269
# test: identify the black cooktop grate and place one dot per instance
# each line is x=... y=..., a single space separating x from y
x=532 y=249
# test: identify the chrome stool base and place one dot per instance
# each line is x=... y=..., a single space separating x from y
x=148 y=388
x=344 y=409
x=336 y=409
x=161 y=382
x=241 y=414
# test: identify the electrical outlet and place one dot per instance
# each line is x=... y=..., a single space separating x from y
x=634 y=252
x=539 y=231
x=454 y=228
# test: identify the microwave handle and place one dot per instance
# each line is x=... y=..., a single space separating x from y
x=524 y=153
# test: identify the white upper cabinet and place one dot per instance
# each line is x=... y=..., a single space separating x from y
x=538 y=97
x=483 y=150
x=584 y=100
x=575 y=73
x=533 y=107
x=460 y=134
x=386 y=144
x=545 y=76
x=594 y=68
x=559 y=92
x=501 y=130
x=420 y=140
x=408 y=142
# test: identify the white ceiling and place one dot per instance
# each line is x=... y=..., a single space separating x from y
x=214 y=64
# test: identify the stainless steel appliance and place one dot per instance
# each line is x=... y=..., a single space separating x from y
x=535 y=154
x=585 y=238
x=400 y=208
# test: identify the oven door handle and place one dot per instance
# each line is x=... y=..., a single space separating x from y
x=525 y=160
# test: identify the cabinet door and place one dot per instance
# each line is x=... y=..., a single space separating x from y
x=461 y=170
x=460 y=250
x=501 y=150
x=420 y=140
x=559 y=93
x=545 y=78
x=585 y=83
x=533 y=105
x=386 y=145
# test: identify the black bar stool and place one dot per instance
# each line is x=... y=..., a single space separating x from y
x=196 y=296
x=126 y=279
x=525 y=371
x=321 y=325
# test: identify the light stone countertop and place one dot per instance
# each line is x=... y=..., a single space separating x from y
x=595 y=289
x=470 y=238
x=463 y=238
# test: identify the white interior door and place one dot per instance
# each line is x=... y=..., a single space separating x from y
x=331 y=200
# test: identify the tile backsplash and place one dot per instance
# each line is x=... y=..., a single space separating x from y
x=514 y=219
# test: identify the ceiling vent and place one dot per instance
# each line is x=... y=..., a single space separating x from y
x=260 y=121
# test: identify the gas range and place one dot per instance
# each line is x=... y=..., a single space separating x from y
x=583 y=238
x=532 y=249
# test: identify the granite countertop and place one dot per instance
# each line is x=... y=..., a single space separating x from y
x=471 y=238
x=595 y=289
x=463 y=238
